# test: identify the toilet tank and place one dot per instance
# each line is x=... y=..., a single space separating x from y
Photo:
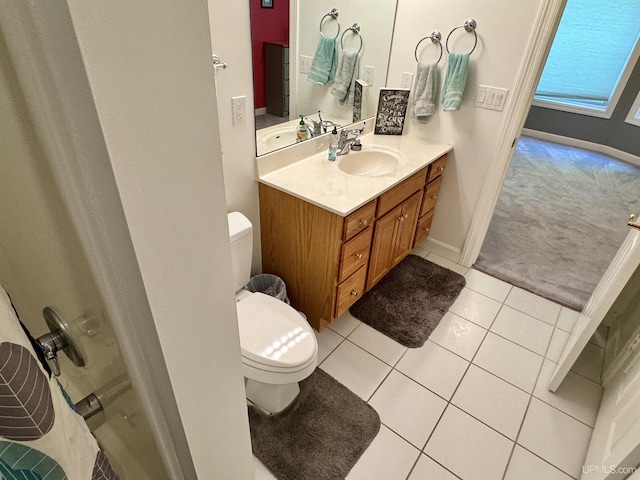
x=240 y=235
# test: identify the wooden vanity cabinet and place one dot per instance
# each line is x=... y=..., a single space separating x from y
x=328 y=261
x=429 y=199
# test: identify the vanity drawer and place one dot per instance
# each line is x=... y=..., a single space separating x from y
x=400 y=192
x=424 y=227
x=355 y=254
x=436 y=168
x=359 y=220
x=350 y=291
x=431 y=195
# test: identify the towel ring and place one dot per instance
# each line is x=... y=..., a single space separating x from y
x=469 y=26
x=435 y=37
x=355 y=28
x=334 y=16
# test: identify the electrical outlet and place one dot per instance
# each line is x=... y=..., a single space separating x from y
x=406 y=80
x=239 y=110
x=369 y=73
x=305 y=63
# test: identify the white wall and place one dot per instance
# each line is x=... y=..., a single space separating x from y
x=231 y=41
x=376 y=20
x=152 y=81
x=42 y=261
x=504 y=28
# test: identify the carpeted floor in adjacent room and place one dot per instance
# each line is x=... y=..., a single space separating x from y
x=560 y=218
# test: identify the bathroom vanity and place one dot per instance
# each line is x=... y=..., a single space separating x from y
x=331 y=236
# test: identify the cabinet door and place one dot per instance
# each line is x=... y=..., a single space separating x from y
x=382 y=246
x=406 y=227
x=393 y=238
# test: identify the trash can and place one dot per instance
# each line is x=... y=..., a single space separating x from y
x=270 y=285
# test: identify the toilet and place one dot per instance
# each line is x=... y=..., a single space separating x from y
x=279 y=348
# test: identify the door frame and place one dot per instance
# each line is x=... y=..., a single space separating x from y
x=544 y=29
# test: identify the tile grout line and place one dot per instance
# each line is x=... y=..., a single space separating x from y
x=526 y=411
x=531 y=397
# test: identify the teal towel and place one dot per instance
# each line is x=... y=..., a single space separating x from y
x=324 y=64
x=454 y=81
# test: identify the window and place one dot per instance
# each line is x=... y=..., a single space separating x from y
x=595 y=49
x=634 y=114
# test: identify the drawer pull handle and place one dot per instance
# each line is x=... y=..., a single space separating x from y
x=358 y=256
x=426 y=230
x=434 y=197
x=441 y=169
x=354 y=293
x=364 y=222
x=403 y=217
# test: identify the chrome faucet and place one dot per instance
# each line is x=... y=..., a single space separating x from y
x=317 y=127
x=345 y=144
x=314 y=126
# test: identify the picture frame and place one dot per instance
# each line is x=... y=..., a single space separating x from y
x=392 y=110
x=266 y=3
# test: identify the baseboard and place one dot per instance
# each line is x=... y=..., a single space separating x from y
x=574 y=142
x=261 y=111
x=442 y=249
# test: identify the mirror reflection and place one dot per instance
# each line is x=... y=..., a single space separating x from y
x=317 y=62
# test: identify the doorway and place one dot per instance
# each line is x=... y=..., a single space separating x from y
x=561 y=213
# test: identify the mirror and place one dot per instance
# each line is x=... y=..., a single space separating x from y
x=284 y=42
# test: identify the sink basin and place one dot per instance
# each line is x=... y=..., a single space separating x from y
x=371 y=161
x=275 y=138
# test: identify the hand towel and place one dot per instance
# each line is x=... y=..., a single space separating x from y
x=454 y=81
x=346 y=76
x=323 y=66
x=425 y=90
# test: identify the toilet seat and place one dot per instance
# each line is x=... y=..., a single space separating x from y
x=274 y=337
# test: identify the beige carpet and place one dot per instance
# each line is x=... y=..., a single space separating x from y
x=560 y=218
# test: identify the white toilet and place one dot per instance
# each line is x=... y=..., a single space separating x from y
x=279 y=348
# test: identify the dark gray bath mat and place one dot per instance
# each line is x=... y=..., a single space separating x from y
x=409 y=302
x=320 y=436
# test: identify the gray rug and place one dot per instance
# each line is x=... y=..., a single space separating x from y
x=320 y=436
x=560 y=218
x=409 y=302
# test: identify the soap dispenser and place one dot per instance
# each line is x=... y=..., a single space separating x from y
x=302 y=132
x=333 y=145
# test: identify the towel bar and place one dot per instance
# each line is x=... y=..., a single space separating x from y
x=355 y=28
x=334 y=16
x=435 y=37
x=469 y=26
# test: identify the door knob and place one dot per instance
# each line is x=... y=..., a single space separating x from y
x=58 y=339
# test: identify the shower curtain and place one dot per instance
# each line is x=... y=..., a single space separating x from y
x=40 y=433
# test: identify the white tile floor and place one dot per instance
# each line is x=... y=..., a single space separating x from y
x=472 y=403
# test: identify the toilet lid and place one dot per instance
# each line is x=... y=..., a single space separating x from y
x=274 y=333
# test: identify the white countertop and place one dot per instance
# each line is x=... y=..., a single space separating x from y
x=322 y=183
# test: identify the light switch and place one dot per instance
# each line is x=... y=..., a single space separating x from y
x=492 y=98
